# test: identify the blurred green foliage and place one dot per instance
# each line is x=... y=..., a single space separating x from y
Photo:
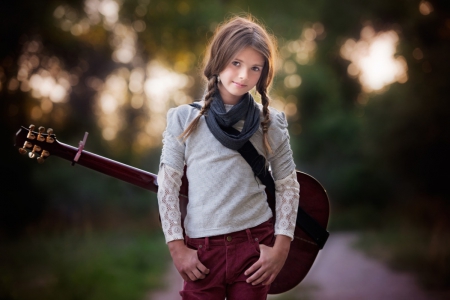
x=107 y=265
x=385 y=157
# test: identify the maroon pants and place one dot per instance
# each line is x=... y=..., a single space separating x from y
x=228 y=257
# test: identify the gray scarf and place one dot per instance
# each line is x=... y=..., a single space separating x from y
x=218 y=119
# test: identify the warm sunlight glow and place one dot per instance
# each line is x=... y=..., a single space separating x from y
x=293 y=55
x=108 y=104
x=292 y=81
x=106 y=10
x=148 y=88
x=124 y=43
x=161 y=84
x=373 y=59
x=300 y=52
x=44 y=77
x=151 y=90
x=425 y=8
x=290 y=109
x=123 y=37
x=109 y=9
x=290 y=66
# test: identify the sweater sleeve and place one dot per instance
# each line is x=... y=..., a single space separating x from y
x=281 y=160
x=169 y=182
x=283 y=170
x=173 y=151
x=170 y=173
x=286 y=206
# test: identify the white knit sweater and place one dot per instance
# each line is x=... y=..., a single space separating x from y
x=224 y=195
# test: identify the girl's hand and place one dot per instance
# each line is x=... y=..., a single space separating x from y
x=186 y=261
x=270 y=262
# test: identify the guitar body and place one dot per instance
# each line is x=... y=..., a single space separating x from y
x=303 y=251
x=313 y=198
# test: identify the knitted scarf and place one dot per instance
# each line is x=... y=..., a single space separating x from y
x=218 y=118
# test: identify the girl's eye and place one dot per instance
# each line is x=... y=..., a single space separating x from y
x=235 y=63
x=257 y=69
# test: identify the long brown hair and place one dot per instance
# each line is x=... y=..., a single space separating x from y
x=231 y=37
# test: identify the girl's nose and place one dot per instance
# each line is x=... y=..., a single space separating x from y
x=243 y=73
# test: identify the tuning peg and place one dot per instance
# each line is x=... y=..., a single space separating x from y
x=44 y=155
x=40 y=137
x=26 y=145
x=49 y=138
x=32 y=154
x=30 y=134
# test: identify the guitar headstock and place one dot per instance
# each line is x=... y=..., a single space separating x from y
x=37 y=144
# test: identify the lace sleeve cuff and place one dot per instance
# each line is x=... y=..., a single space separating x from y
x=287 y=198
x=169 y=182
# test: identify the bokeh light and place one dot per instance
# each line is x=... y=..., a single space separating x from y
x=373 y=59
x=149 y=87
x=45 y=78
x=425 y=8
x=294 y=54
x=151 y=90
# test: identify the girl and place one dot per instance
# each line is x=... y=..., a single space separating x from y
x=231 y=249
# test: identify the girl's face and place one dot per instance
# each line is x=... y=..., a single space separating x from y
x=240 y=75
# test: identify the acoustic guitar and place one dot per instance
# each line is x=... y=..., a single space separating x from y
x=313 y=197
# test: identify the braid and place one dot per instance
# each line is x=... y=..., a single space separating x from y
x=211 y=89
x=266 y=122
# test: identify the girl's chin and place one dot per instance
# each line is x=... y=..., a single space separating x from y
x=237 y=91
x=234 y=92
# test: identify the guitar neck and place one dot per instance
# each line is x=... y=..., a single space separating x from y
x=44 y=145
x=110 y=167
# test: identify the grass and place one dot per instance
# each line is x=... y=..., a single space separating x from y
x=97 y=265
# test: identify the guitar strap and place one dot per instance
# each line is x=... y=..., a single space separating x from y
x=258 y=164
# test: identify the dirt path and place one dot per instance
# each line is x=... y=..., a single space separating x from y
x=343 y=273
x=339 y=273
x=171 y=292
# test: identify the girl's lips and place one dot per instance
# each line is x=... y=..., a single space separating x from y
x=238 y=84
